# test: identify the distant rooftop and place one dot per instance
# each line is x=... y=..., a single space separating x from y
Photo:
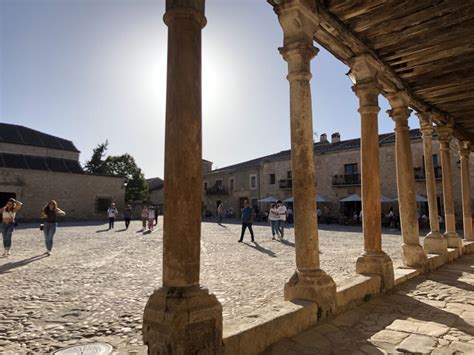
x=155 y=183
x=319 y=148
x=30 y=162
x=15 y=134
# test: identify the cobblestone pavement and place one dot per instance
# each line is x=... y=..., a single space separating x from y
x=95 y=285
x=431 y=314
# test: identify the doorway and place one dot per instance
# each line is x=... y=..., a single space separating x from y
x=4 y=196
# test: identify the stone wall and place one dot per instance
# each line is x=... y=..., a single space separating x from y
x=76 y=194
x=38 y=151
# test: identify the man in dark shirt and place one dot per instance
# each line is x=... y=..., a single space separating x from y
x=246 y=221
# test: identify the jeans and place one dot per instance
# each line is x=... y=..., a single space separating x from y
x=7 y=232
x=49 y=229
x=127 y=222
x=111 y=222
x=246 y=225
x=274 y=227
x=281 y=227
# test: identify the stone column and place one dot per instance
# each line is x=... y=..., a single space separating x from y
x=464 y=152
x=182 y=317
x=309 y=281
x=373 y=260
x=413 y=253
x=444 y=136
x=434 y=242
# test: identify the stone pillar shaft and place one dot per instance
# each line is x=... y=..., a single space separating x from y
x=309 y=281
x=464 y=153
x=445 y=152
x=434 y=243
x=182 y=317
x=444 y=136
x=302 y=156
x=182 y=231
x=413 y=253
x=427 y=134
x=370 y=166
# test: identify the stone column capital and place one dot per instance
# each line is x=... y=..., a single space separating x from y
x=363 y=69
x=464 y=149
x=367 y=92
x=185 y=10
x=426 y=124
x=445 y=134
x=399 y=103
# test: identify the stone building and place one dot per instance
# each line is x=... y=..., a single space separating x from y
x=36 y=167
x=337 y=169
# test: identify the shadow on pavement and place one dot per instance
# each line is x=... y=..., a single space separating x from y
x=9 y=266
x=261 y=249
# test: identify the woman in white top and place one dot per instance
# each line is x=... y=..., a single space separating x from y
x=151 y=218
x=8 y=222
x=273 y=218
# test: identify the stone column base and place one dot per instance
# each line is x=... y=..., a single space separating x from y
x=313 y=285
x=379 y=264
x=183 y=320
x=414 y=256
x=454 y=241
x=435 y=243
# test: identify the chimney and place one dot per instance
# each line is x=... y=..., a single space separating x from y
x=335 y=137
x=323 y=138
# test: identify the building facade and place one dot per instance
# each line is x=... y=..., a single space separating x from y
x=36 y=167
x=337 y=177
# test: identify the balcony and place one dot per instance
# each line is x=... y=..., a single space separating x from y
x=286 y=184
x=216 y=190
x=346 y=180
x=420 y=173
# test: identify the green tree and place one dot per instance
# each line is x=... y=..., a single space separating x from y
x=96 y=164
x=126 y=167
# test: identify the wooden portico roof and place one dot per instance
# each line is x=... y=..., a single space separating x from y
x=425 y=47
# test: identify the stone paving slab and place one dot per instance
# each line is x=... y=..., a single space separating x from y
x=95 y=285
x=430 y=314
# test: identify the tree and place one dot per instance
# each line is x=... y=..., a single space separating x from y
x=126 y=167
x=122 y=166
x=96 y=164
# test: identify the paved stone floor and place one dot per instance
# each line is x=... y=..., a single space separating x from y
x=431 y=314
x=95 y=285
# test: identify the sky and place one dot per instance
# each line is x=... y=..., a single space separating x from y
x=95 y=70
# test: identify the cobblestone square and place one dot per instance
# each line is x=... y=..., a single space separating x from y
x=95 y=285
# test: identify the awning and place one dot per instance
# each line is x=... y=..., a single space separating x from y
x=318 y=199
x=269 y=199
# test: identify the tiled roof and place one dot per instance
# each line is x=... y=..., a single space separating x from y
x=319 y=148
x=155 y=184
x=15 y=134
x=30 y=162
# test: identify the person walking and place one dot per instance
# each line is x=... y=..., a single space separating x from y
x=127 y=215
x=273 y=219
x=282 y=214
x=151 y=218
x=157 y=213
x=246 y=219
x=112 y=213
x=144 y=216
x=8 y=222
x=50 y=214
x=220 y=213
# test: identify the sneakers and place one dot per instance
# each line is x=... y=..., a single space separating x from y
x=48 y=252
x=240 y=240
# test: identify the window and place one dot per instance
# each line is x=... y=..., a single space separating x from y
x=205 y=185
x=436 y=160
x=231 y=184
x=289 y=175
x=102 y=204
x=253 y=181
x=272 y=179
x=350 y=169
x=219 y=184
